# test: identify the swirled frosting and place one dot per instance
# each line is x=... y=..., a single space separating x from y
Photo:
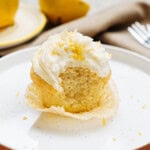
x=69 y=49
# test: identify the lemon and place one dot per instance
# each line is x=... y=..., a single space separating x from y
x=8 y=10
x=61 y=11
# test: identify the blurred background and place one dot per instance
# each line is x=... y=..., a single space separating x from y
x=110 y=25
x=96 y=4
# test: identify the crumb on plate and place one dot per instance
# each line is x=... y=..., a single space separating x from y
x=109 y=55
x=114 y=139
x=24 y=118
x=103 y=122
x=131 y=96
x=143 y=106
x=140 y=133
x=17 y=94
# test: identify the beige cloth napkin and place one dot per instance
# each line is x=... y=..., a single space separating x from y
x=109 y=24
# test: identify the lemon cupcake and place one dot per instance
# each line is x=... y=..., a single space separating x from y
x=71 y=76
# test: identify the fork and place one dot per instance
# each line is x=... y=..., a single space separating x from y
x=141 y=33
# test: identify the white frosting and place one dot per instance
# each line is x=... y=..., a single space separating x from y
x=61 y=51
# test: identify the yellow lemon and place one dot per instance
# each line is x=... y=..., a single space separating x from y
x=61 y=11
x=8 y=10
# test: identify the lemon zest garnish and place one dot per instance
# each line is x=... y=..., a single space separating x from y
x=60 y=44
x=54 y=52
x=77 y=52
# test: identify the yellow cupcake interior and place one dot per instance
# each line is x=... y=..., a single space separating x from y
x=82 y=90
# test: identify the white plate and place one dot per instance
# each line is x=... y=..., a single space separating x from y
x=129 y=129
x=29 y=22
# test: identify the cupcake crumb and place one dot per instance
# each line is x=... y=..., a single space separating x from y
x=17 y=94
x=109 y=55
x=103 y=122
x=54 y=52
x=114 y=139
x=140 y=133
x=24 y=118
x=131 y=96
x=143 y=106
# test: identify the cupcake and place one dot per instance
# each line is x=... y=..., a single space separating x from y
x=71 y=76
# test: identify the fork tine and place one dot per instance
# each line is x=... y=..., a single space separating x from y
x=142 y=28
x=148 y=27
x=140 y=25
x=135 y=35
x=139 y=32
x=138 y=37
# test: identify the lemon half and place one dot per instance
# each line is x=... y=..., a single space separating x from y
x=8 y=10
